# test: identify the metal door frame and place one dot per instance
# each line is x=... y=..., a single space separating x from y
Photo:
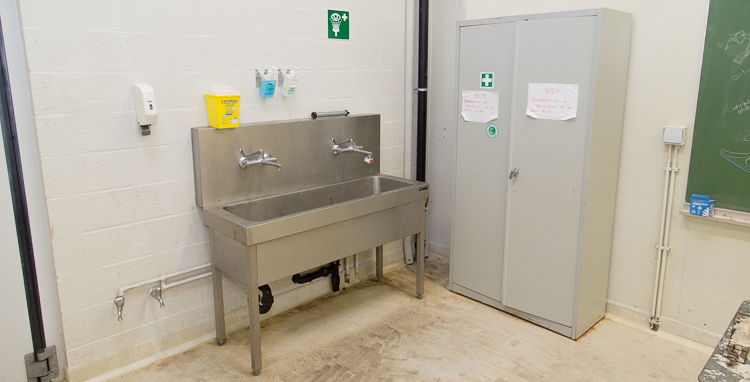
x=18 y=196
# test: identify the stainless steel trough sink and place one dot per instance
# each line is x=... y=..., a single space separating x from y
x=263 y=219
x=265 y=225
x=292 y=203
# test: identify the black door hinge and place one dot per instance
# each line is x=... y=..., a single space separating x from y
x=42 y=365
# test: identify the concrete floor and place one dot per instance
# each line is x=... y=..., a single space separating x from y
x=381 y=332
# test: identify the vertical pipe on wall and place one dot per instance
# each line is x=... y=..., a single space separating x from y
x=408 y=86
x=422 y=91
x=663 y=247
x=409 y=109
x=665 y=250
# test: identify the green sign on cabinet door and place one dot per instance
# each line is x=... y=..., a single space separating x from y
x=492 y=130
x=487 y=80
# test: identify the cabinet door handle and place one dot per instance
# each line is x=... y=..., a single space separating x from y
x=513 y=173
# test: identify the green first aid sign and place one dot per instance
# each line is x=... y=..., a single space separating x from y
x=338 y=24
x=487 y=80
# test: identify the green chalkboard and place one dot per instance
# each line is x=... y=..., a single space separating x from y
x=720 y=157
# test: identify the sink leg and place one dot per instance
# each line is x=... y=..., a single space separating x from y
x=379 y=262
x=252 y=289
x=420 y=261
x=221 y=334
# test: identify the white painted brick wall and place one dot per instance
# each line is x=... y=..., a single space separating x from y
x=121 y=206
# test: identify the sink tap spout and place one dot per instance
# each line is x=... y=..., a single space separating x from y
x=263 y=158
x=351 y=146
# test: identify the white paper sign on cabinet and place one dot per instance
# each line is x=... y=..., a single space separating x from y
x=479 y=106
x=552 y=101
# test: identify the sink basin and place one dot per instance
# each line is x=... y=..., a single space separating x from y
x=296 y=231
x=275 y=207
x=263 y=219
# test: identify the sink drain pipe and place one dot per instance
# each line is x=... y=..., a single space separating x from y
x=332 y=269
x=265 y=299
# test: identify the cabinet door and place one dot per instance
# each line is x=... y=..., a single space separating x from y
x=545 y=199
x=482 y=162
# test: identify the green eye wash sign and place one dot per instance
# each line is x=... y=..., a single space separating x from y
x=338 y=24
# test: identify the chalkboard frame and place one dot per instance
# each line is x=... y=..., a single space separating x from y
x=720 y=153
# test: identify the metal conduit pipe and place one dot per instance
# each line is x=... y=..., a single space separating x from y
x=157 y=290
x=663 y=246
x=265 y=301
x=166 y=286
x=422 y=91
x=408 y=87
x=408 y=105
x=124 y=289
x=120 y=299
x=668 y=225
x=657 y=275
x=424 y=16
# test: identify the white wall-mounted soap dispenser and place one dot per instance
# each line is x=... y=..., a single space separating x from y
x=145 y=107
x=289 y=84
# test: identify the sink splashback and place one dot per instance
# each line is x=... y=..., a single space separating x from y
x=303 y=148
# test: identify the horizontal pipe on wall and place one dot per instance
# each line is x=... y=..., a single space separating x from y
x=161 y=278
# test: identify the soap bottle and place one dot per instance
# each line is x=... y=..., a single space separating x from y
x=268 y=83
x=289 y=85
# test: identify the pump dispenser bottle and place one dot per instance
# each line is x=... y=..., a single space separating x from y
x=268 y=83
x=289 y=86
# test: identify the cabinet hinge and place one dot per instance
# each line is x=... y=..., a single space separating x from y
x=42 y=365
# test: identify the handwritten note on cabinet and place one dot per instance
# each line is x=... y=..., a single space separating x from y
x=479 y=106
x=552 y=101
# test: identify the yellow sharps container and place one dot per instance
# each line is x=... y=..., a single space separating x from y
x=223 y=105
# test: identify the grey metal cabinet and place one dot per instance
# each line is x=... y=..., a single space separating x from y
x=538 y=245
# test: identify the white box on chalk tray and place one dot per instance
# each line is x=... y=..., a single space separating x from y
x=702 y=205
